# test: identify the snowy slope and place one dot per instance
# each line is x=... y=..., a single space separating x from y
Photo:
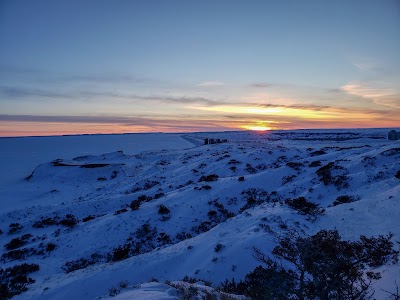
x=204 y=210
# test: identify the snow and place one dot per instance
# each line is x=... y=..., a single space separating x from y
x=101 y=182
x=20 y=155
x=149 y=291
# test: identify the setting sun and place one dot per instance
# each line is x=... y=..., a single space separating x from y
x=257 y=127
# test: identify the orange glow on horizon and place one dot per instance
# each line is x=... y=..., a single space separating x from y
x=257 y=127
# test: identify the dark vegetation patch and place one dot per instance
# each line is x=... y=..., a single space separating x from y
x=14 y=228
x=150 y=184
x=135 y=204
x=216 y=215
x=304 y=207
x=88 y=218
x=204 y=187
x=241 y=178
x=189 y=182
x=288 y=178
x=234 y=162
x=322 y=266
x=334 y=174
x=256 y=196
x=93 y=166
x=397 y=175
x=142 y=241
x=81 y=263
x=120 y=211
x=250 y=169
x=45 y=222
x=317 y=153
x=345 y=199
x=58 y=163
x=218 y=247
x=163 y=210
x=159 y=195
x=295 y=165
x=181 y=236
x=391 y=152
x=314 y=164
x=353 y=147
x=24 y=253
x=145 y=239
x=18 y=242
x=368 y=161
x=15 y=280
x=68 y=221
x=147 y=184
x=209 y=178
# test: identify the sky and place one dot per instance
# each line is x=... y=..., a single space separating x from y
x=97 y=66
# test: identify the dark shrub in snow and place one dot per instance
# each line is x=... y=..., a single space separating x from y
x=208 y=178
x=344 y=199
x=314 y=164
x=163 y=210
x=397 y=174
x=183 y=236
x=144 y=198
x=317 y=153
x=287 y=179
x=44 y=222
x=164 y=239
x=203 y=227
x=50 y=247
x=204 y=187
x=69 y=221
x=322 y=266
x=120 y=211
x=304 y=207
x=218 y=247
x=254 y=197
x=294 y=165
x=15 y=228
x=159 y=195
x=333 y=174
x=135 y=204
x=121 y=252
x=81 y=263
x=15 y=280
x=19 y=254
x=88 y=218
x=249 y=168
x=18 y=242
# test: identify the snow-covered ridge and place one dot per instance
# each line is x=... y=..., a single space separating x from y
x=186 y=211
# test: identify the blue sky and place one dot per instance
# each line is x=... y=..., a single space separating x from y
x=119 y=66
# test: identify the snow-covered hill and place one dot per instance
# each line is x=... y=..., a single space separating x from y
x=194 y=210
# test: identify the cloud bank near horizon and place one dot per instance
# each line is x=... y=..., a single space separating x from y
x=197 y=66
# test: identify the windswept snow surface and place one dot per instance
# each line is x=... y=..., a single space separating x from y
x=204 y=210
x=20 y=155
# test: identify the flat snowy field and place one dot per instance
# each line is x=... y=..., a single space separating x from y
x=173 y=200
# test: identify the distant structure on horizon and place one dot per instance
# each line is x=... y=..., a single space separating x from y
x=393 y=135
x=208 y=141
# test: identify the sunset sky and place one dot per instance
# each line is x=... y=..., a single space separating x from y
x=146 y=66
